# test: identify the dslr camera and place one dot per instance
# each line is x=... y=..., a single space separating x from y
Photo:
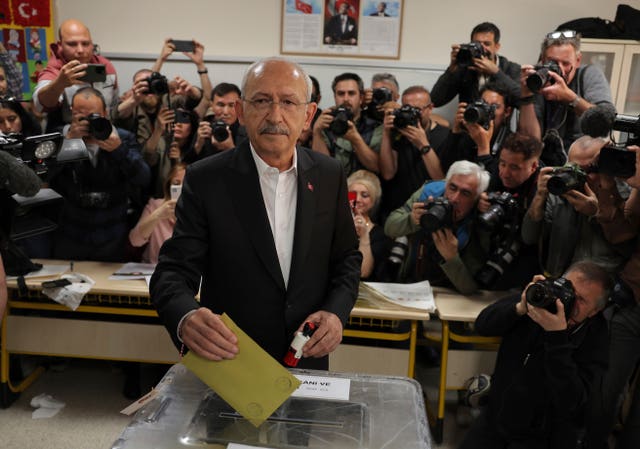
x=340 y=123
x=541 y=78
x=469 y=52
x=544 y=293
x=615 y=161
x=568 y=177
x=628 y=124
x=503 y=208
x=219 y=129
x=406 y=116
x=438 y=215
x=99 y=127
x=381 y=95
x=158 y=84
x=480 y=112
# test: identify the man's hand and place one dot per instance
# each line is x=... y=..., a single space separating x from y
x=139 y=90
x=417 y=211
x=110 y=144
x=453 y=64
x=323 y=121
x=522 y=307
x=327 y=336
x=481 y=136
x=416 y=135
x=184 y=87
x=167 y=49
x=525 y=71
x=197 y=55
x=458 y=121
x=79 y=127
x=204 y=333
x=71 y=72
x=483 y=203
x=485 y=65
x=165 y=118
x=547 y=320
x=174 y=151
x=543 y=180
x=446 y=243
x=352 y=133
x=585 y=203
x=558 y=91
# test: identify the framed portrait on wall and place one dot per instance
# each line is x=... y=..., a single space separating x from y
x=351 y=28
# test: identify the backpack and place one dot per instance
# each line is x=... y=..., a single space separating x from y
x=593 y=27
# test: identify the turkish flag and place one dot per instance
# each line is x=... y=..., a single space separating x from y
x=303 y=7
x=5 y=12
x=33 y=13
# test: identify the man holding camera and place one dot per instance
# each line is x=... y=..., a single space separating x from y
x=66 y=72
x=560 y=217
x=409 y=152
x=475 y=64
x=220 y=130
x=93 y=223
x=438 y=217
x=479 y=129
x=554 y=347
x=557 y=92
x=344 y=132
x=620 y=221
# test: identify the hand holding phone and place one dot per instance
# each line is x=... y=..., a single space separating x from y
x=176 y=190
x=95 y=73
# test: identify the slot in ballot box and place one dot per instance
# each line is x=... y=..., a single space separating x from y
x=380 y=411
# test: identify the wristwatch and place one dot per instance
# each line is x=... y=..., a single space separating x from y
x=573 y=103
x=425 y=149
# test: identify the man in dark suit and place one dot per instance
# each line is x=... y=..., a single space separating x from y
x=268 y=228
x=341 y=29
x=381 y=10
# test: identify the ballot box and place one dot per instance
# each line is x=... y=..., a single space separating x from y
x=376 y=412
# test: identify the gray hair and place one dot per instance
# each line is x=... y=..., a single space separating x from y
x=594 y=273
x=466 y=168
x=550 y=42
x=258 y=64
x=385 y=77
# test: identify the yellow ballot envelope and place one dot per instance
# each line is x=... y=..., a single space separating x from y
x=253 y=383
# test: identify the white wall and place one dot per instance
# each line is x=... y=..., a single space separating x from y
x=236 y=32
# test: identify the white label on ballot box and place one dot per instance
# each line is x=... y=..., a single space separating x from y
x=323 y=387
x=244 y=446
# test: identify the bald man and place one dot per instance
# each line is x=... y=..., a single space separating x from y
x=62 y=77
x=268 y=228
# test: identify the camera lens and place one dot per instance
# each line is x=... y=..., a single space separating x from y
x=535 y=81
x=219 y=131
x=435 y=218
x=537 y=295
x=99 y=127
x=492 y=217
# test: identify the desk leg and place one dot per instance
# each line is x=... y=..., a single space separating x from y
x=442 y=390
x=413 y=340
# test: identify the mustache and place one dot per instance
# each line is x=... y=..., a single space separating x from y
x=273 y=129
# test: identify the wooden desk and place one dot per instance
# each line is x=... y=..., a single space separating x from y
x=452 y=306
x=116 y=321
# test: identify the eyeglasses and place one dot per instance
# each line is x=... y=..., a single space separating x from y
x=569 y=34
x=264 y=104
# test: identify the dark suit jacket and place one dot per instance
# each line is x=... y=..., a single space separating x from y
x=223 y=232
x=333 y=28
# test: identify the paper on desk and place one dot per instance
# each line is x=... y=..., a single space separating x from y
x=418 y=295
x=45 y=271
x=133 y=270
x=253 y=383
x=71 y=295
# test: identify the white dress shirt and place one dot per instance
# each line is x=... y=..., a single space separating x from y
x=280 y=194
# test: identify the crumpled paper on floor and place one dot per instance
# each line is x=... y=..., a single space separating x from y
x=46 y=406
x=71 y=295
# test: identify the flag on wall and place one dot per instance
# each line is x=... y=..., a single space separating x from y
x=303 y=7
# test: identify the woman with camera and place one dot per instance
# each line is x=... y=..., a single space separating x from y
x=158 y=218
x=364 y=194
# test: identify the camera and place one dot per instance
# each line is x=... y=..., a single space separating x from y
x=438 y=215
x=380 y=96
x=397 y=255
x=628 y=124
x=219 y=130
x=34 y=151
x=469 y=52
x=544 y=293
x=498 y=262
x=340 y=123
x=503 y=207
x=99 y=127
x=406 y=116
x=480 y=112
x=538 y=80
x=615 y=161
x=568 y=177
x=158 y=84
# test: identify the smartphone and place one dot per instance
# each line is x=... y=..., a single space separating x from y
x=176 y=190
x=352 y=196
x=56 y=283
x=617 y=162
x=184 y=45
x=96 y=73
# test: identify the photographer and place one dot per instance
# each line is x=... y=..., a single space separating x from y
x=565 y=91
x=384 y=90
x=561 y=222
x=343 y=132
x=220 y=130
x=554 y=346
x=451 y=254
x=512 y=262
x=409 y=153
x=93 y=222
x=475 y=66
x=620 y=221
x=480 y=139
x=67 y=65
